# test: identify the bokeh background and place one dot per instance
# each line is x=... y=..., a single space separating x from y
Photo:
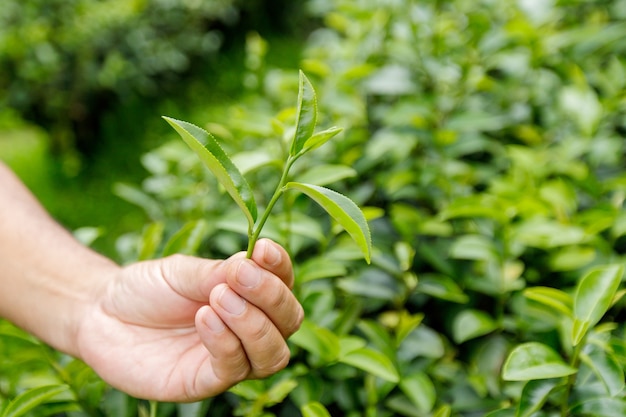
x=484 y=140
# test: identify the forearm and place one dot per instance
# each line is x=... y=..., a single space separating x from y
x=47 y=277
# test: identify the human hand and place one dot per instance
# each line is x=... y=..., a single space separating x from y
x=183 y=328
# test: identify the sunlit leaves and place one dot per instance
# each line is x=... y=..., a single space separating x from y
x=534 y=395
x=314 y=409
x=213 y=156
x=553 y=298
x=534 y=360
x=306 y=115
x=420 y=390
x=343 y=210
x=469 y=324
x=372 y=362
x=594 y=295
x=32 y=398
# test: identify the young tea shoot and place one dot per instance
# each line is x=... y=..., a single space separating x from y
x=343 y=210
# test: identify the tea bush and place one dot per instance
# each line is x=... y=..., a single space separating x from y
x=64 y=65
x=484 y=140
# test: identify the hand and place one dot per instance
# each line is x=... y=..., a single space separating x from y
x=183 y=328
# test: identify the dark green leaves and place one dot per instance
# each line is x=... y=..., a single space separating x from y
x=216 y=160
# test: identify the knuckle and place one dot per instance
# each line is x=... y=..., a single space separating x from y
x=262 y=331
x=279 y=361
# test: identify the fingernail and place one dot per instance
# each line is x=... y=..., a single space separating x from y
x=272 y=254
x=231 y=302
x=248 y=275
x=214 y=323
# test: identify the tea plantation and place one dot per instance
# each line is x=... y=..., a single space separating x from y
x=484 y=141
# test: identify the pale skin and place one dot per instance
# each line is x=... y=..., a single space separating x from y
x=174 y=329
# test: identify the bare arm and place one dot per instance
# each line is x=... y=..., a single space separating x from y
x=46 y=276
x=179 y=328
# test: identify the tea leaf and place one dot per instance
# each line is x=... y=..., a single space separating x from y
x=606 y=368
x=216 y=160
x=534 y=360
x=420 y=390
x=279 y=391
x=321 y=138
x=593 y=297
x=150 y=240
x=373 y=362
x=306 y=115
x=534 y=395
x=343 y=210
x=551 y=297
x=443 y=411
x=326 y=174
x=469 y=324
x=32 y=398
x=187 y=239
x=314 y=409
x=605 y=407
x=317 y=340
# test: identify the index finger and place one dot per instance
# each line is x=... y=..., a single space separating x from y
x=275 y=259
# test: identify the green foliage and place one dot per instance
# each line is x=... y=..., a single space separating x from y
x=340 y=207
x=484 y=142
x=64 y=65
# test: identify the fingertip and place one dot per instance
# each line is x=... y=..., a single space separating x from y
x=209 y=319
x=269 y=252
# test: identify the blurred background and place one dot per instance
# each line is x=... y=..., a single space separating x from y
x=484 y=140
x=83 y=85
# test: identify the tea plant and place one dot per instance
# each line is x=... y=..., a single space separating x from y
x=304 y=140
x=485 y=142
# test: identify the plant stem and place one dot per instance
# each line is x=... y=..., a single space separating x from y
x=254 y=236
x=571 y=379
x=153 y=408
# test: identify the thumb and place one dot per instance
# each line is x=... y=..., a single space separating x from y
x=193 y=277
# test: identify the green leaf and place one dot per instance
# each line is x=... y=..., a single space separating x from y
x=593 y=297
x=317 y=340
x=534 y=395
x=349 y=344
x=557 y=300
x=373 y=362
x=534 y=360
x=474 y=247
x=216 y=160
x=420 y=390
x=32 y=398
x=606 y=368
x=279 y=391
x=137 y=197
x=469 y=324
x=187 y=239
x=150 y=240
x=326 y=174
x=601 y=407
x=318 y=268
x=504 y=412
x=306 y=116
x=343 y=210
x=314 y=409
x=321 y=138
x=252 y=160
x=441 y=286
x=443 y=411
